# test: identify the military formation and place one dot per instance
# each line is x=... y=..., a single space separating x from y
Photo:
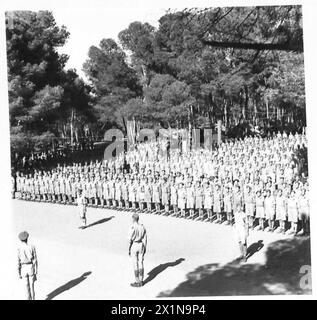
x=258 y=174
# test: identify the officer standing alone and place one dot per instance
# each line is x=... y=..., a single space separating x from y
x=137 y=249
x=27 y=264
x=82 y=206
x=242 y=230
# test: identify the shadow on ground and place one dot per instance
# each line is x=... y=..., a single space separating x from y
x=254 y=248
x=279 y=275
x=98 y=222
x=68 y=286
x=160 y=268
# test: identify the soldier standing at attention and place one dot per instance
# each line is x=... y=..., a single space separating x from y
x=190 y=199
x=156 y=192
x=218 y=203
x=228 y=205
x=259 y=209
x=269 y=208
x=82 y=206
x=303 y=210
x=141 y=194
x=281 y=210
x=148 y=195
x=166 y=192
x=199 y=200
x=181 y=201
x=27 y=264
x=174 y=196
x=292 y=211
x=242 y=230
x=137 y=249
x=249 y=200
x=208 y=200
x=125 y=192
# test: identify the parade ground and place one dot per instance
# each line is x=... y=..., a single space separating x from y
x=184 y=258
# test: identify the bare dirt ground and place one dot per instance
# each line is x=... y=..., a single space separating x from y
x=184 y=258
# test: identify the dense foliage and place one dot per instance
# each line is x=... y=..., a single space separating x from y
x=46 y=102
x=241 y=65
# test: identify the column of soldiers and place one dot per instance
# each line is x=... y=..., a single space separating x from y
x=257 y=174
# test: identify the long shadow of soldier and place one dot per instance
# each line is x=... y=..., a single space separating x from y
x=98 y=222
x=160 y=268
x=254 y=247
x=279 y=273
x=68 y=286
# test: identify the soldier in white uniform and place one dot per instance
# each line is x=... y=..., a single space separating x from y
x=208 y=200
x=174 y=197
x=49 y=187
x=82 y=206
x=32 y=189
x=303 y=210
x=104 y=193
x=242 y=230
x=68 y=190
x=125 y=192
x=228 y=204
x=259 y=209
x=148 y=194
x=269 y=208
x=98 y=200
x=292 y=211
x=73 y=190
x=249 y=201
x=182 y=199
x=27 y=265
x=132 y=193
x=93 y=192
x=190 y=199
x=62 y=190
x=281 y=210
x=218 y=203
x=90 y=191
x=118 y=193
x=111 y=188
x=156 y=189
x=199 y=200
x=166 y=192
x=36 y=183
x=137 y=249
x=56 y=190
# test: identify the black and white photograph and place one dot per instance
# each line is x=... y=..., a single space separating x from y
x=157 y=151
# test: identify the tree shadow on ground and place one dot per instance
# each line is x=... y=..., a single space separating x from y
x=160 y=268
x=279 y=275
x=68 y=286
x=98 y=222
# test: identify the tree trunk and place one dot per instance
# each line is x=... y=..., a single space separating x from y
x=255 y=113
x=146 y=79
x=246 y=102
x=76 y=135
x=72 y=127
x=219 y=127
x=189 y=128
x=125 y=125
x=226 y=115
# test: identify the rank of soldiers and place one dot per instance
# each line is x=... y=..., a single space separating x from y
x=259 y=174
